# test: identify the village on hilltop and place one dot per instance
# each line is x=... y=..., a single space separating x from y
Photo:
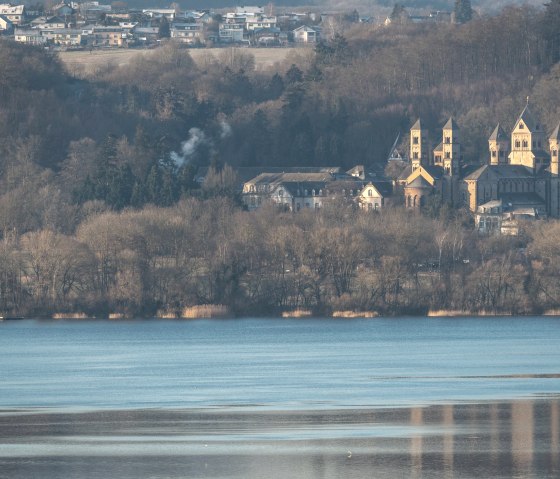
x=89 y=25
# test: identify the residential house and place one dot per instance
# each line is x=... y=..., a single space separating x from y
x=145 y=35
x=108 y=37
x=190 y=33
x=65 y=37
x=49 y=23
x=198 y=17
x=374 y=195
x=305 y=34
x=168 y=13
x=259 y=22
x=14 y=13
x=231 y=33
x=62 y=10
x=6 y=25
x=29 y=36
x=495 y=217
x=249 y=10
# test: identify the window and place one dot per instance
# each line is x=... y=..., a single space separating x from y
x=370 y=192
x=448 y=154
x=415 y=140
x=554 y=153
x=415 y=155
x=521 y=126
x=493 y=153
x=525 y=144
x=517 y=144
x=447 y=139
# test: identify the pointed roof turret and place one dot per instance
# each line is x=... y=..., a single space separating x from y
x=528 y=118
x=451 y=124
x=555 y=135
x=417 y=125
x=498 y=134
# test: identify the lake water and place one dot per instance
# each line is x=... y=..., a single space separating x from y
x=255 y=398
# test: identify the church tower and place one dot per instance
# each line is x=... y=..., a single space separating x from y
x=498 y=145
x=554 y=145
x=451 y=148
x=418 y=146
x=527 y=141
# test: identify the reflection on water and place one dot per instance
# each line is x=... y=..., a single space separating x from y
x=518 y=439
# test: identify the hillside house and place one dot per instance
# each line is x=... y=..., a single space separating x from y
x=6 y=26
x=189 y=33
x=14 y=13
x=231 y=33
x=305 y=34
x=29 y=37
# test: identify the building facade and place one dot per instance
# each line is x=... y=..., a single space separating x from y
x=521 y=171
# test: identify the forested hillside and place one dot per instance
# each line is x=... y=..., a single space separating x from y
x=80 y=155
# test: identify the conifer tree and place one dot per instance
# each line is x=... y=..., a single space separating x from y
x=463 y=11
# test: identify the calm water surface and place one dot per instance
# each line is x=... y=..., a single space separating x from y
x=430 y=398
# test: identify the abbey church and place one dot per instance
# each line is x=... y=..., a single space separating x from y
x=521 y=173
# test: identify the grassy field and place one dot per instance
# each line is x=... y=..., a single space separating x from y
x=85 y=62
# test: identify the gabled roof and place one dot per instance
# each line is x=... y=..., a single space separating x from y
x=439 y=147
x=501 y=171
x=435 y=172
x=419 y=182
x=384 y=188
x=417 y=125
x=305 y=28
x=527 y=118
x=555 y=135
x=451 y=124
x=498 y=134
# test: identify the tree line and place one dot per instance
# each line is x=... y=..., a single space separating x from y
x=162 y=260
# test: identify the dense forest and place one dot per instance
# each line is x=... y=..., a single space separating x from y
x=99 y=211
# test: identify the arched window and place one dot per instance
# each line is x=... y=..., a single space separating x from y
x=517 y=144
x=525 y=144
x=370 y=192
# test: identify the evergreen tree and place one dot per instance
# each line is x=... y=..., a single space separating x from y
x=551 y=31
x=463 y=11
x=164 y=29
x=398 y=13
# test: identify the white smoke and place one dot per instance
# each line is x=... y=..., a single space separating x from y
x=226 y=129
x=196 y=139
x=188 y=147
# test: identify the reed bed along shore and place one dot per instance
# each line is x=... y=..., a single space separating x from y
x=453 y=313
x=71 y=316
x=199 y=311
x=297 y=313
x=355 y=314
